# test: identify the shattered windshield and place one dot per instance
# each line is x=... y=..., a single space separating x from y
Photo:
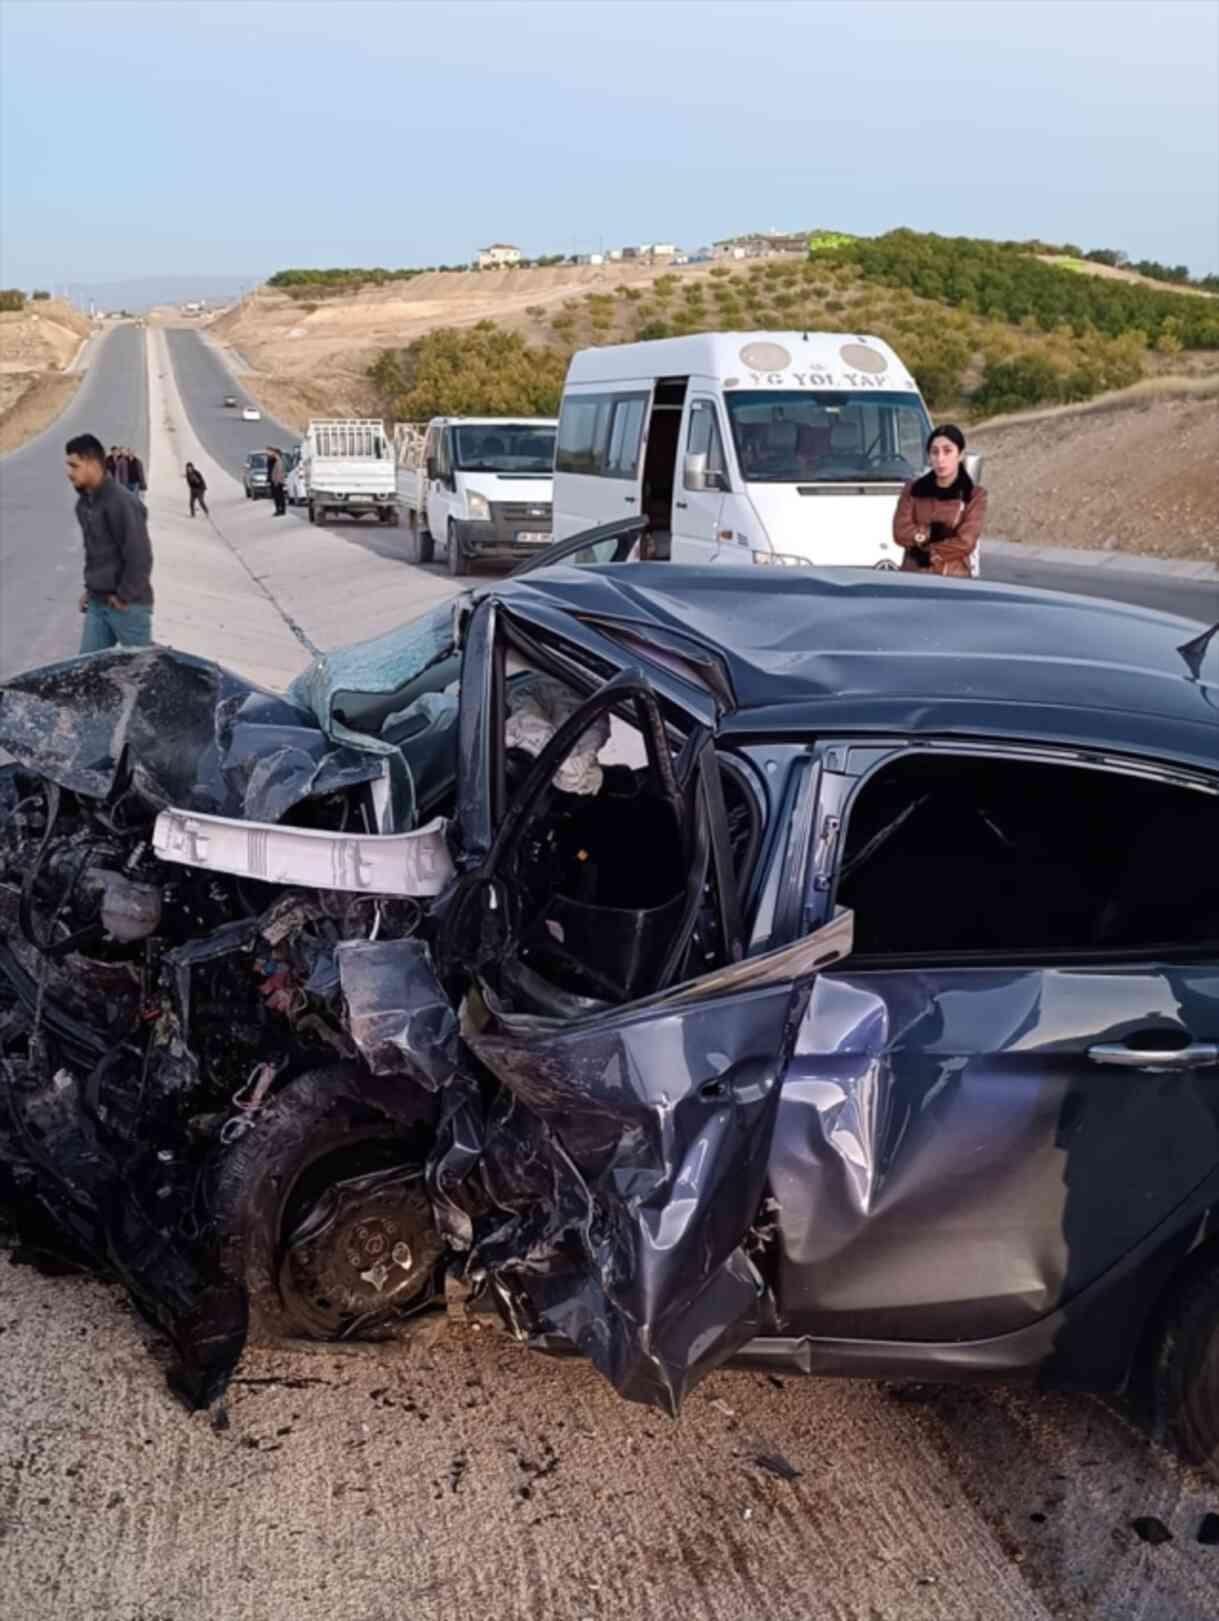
x=830 y=436
x=505 y=447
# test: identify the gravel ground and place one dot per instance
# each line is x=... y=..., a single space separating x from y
x=455 y=1473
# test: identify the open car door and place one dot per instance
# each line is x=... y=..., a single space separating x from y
x=597 y=921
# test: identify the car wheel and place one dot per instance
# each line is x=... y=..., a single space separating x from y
x=321 y=1207
x=1186 y=1371
x=420 y=547
x=312 y=513
x=453 y=551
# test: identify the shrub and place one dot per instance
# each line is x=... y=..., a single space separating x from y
x=39 y=294
x=654 y=329
x=12 y=298
x=472 y=371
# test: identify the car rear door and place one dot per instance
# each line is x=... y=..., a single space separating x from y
x=974 y=1131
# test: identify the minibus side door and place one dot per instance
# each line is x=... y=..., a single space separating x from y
x=702 y=483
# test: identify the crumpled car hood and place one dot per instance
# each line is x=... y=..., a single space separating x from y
x=173 y=729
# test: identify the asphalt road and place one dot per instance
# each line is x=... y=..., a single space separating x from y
x=203 y=381
x=1192 y=599
x=40 y=548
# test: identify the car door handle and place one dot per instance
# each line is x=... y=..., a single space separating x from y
x=681 y=504
x=1197 y=1056
x=629 y=499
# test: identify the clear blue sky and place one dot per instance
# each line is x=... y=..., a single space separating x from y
x=159 y=136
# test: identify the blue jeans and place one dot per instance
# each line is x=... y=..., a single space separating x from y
x=109 y=627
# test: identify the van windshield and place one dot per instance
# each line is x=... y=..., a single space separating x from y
x=505 y=447
x=784 y=436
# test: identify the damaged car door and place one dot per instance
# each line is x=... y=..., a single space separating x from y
x=640 y=1054
x=1001 y=1111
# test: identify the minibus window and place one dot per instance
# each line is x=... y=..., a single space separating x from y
x=789 y=436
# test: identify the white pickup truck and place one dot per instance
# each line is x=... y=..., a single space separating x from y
x=347 y=468
x=480 y=487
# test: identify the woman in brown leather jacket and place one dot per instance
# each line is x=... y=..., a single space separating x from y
x=939 y=517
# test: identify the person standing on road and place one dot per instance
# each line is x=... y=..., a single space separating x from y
x=197 y=485
x=120 y=471
x=939 y=517
x=117 y=599
x=136 y=482
x=275 y=477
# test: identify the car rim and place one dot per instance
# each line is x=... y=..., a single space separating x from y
x=365 y=1249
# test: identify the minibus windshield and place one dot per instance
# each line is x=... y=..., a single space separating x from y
x=831 y=436
x=505 y=447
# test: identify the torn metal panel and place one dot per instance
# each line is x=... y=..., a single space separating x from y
x=404 y=864
x=633 y=1243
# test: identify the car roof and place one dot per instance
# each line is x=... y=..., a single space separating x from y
x=866 y=651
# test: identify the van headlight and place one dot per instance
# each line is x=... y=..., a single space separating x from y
x=781 y=560
x=477 y=506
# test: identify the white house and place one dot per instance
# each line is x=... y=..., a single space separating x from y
x=499 y=256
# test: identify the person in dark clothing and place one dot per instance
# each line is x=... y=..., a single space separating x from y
x=110 y=459
x=276 y=478
x=120 y=472
x=197 y=485
x=117 y=599
x=136 y=481
x=939 y=517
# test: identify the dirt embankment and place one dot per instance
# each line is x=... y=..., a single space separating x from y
x=1138 y=474
x=310 y=356
x=36 y=344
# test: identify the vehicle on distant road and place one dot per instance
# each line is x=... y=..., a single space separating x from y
x=256 y=475
x=481 y=488
x=251 y=413
x=230 y=401
x=347 y=469
x=808 y=967
x=784 y=449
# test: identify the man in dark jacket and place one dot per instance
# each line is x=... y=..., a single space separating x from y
x=197 y=485
x=117 y=599
x=136 y=482
x=275 y=477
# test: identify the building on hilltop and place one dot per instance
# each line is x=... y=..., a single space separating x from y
x=762 y=245
x=499 y=256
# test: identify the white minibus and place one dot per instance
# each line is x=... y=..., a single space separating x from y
x=763 y=447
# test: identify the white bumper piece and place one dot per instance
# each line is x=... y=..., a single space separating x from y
x=416 y=864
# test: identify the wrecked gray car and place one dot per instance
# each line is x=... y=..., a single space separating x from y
x=690 y=964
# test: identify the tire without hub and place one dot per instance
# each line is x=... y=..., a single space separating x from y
x=1186 y=1372
x=321 y=1206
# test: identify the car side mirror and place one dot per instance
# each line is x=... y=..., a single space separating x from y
x=430 y=467
x=696 y=471
x=973 y=460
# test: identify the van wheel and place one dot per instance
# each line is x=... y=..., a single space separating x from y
x=312 y=513
x=419 y=543
x=322 y=1210
x=1186 y=1371
x=454 y=551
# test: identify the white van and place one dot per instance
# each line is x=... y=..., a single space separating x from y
x=481 y=487
x=770 y=447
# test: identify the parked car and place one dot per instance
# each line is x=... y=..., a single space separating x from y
x=251 y=413
x=230 y=400
x=256 y=476
x=817 y=969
